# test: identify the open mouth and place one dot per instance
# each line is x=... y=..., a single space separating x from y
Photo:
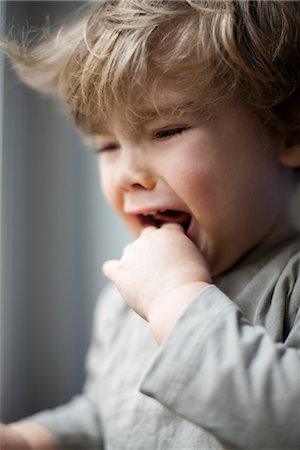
x=158 y=218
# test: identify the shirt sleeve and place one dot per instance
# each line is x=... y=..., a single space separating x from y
x=228 y=376
x=76 y=425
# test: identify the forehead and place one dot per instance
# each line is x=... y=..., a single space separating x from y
x=132 y=117
x=146 y=111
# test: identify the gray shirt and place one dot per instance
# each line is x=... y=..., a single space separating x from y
x=228 y=376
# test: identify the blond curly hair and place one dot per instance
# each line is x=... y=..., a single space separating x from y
x=122 y=55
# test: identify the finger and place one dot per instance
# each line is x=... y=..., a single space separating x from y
x=172 y=226
x=149 y=229
x=108 y=268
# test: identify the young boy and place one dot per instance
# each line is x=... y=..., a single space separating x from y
x=193 y=108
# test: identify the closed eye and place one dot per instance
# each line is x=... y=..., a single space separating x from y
x=107 y=148
x=166 y=133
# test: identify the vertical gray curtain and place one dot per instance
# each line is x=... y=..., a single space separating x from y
x=56 y=233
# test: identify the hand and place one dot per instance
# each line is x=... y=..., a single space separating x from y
x=159 y=274
x=26 y=435
x=11 y=439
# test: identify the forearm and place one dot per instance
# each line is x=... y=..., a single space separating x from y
x=163 y=315
x=228 y=377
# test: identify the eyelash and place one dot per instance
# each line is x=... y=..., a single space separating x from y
x=161 y=134
x=169 y=132
x=107 y=148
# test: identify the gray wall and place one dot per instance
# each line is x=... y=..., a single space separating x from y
x=56 y=233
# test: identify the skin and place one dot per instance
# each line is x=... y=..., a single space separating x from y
x=26 y=435
x=226 y=172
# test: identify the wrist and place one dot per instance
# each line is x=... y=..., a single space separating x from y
x=165 y=312
x=33 y=435
x=10 y=438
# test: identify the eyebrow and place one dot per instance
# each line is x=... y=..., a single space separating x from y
x=171 y=110
x=91 y=141
x=165 y=111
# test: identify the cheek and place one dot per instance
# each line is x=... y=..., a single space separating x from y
x=106 y=189
x=107 y=184
x=115 y=199
x=198 y=184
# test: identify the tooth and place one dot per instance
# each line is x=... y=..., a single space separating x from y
x=152 y=213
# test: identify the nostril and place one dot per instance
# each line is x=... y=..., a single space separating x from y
x=143 y=181
x=129 y=176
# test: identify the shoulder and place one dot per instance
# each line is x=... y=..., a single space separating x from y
x=289 y=282
x=286 y=293
x=266 y=286
x=287 y=262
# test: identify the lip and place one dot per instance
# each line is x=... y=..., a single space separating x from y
x=146 y=202
x=191 y=232
x=149 y=209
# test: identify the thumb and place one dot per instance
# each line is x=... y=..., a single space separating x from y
x=108 y=268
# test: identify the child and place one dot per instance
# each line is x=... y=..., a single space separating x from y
x=193 y=108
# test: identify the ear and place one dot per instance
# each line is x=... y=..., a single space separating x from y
x=289 y=154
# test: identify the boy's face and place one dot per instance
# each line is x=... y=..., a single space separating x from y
x=219 y=178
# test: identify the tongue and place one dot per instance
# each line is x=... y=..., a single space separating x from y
x=170 y=216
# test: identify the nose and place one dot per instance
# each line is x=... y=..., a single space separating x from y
x=133 y=172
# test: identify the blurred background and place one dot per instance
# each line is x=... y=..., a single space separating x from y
x=56 y=232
